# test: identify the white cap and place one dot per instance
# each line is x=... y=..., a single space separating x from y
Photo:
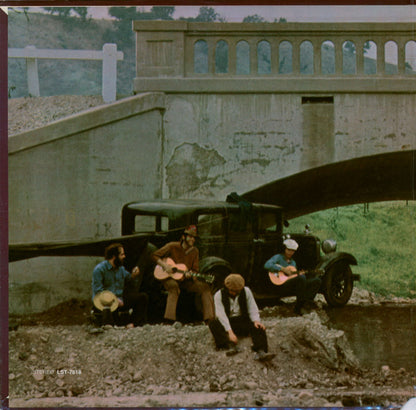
x=291 y=244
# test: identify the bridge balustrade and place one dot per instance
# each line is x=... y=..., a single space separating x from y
x=177 y=48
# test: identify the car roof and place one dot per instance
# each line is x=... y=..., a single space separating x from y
x=181 y=206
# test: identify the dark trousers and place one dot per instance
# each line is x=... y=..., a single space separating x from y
x=137 y=301
x=241 y=326
x=305 y=289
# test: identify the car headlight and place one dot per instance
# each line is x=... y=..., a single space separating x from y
x=329 y=245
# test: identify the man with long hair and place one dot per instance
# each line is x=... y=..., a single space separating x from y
x=183 y=252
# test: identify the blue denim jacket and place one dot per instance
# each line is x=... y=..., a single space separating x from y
x=105 y=277
x=277 y=262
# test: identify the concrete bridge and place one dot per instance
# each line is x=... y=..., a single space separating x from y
x=220 y=107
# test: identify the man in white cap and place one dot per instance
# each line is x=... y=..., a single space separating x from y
x=305 y=289
x=237 y=314
x=110 y=275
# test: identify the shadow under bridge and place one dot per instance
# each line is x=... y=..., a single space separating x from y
x=381 y=177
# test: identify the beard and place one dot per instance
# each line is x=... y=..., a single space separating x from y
x=118 y=262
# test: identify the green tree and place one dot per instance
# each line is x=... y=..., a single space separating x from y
x=162 y=13
x=254 y=18
x=67 y=11
x=205 y=15
x=122 y=33
x=349 y=47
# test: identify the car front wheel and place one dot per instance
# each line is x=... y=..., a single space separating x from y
x=338 y=284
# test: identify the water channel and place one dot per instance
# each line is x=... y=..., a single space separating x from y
x=379 y=335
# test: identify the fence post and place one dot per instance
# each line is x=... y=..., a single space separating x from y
x=109 y=72
x=32 y=74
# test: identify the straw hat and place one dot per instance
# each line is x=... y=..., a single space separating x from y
x=106 y=299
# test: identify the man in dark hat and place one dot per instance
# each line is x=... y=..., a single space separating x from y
x=237 y=314
x=183 y=252
x=110 y=275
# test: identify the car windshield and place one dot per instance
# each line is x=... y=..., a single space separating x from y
x=210 y=224
x=268 y=222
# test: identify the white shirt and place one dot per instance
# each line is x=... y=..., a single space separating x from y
x=253 y=310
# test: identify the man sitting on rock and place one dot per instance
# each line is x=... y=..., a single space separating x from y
x=237 y=314
x=110 y=275
x=296 y=283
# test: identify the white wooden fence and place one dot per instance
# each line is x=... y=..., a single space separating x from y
x=109 y=55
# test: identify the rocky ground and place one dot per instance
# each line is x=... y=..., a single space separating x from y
x=58 y=358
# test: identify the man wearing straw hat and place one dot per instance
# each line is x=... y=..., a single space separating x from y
x=108 y=283
x=237 y=314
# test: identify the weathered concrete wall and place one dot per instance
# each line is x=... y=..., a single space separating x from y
x=232 y=142
x=68 y=181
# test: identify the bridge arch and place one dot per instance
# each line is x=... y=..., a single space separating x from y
x=375 y=178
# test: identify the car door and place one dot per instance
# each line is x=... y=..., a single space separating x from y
x=267 y=241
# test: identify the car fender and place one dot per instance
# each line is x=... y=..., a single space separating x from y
x=334 y=257
x=208 y=263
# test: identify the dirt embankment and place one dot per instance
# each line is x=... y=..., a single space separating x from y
x=28 y=113
x=52 y=364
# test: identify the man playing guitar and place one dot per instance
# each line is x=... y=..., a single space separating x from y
x=183 y=252
x=283 y=273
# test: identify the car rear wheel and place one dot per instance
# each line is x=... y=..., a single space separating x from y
x=338 y=284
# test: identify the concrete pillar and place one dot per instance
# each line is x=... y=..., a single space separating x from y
x=338 y=56
x=109 y=72
x=401 y=57
x=316 y=57
x=359 y=55
x=381 y=65
x=296 y=57
x=32 y=74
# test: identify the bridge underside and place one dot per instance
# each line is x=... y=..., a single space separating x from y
x=374 y=178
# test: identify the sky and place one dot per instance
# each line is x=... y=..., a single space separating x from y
x=299 y=13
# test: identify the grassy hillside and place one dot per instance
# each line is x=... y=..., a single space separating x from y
x=382 y=238
x=60 y=77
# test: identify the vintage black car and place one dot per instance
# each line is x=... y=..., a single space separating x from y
x=241 y=237
x=234 y=236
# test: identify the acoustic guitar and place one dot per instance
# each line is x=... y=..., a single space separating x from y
x=179 y=270
x=279 y=278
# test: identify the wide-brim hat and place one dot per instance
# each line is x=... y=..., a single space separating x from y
x=191 y=230
x=106 y=299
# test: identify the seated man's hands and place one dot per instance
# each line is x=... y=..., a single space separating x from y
x=135 y=272
x=232 y=336
x=259 y=325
